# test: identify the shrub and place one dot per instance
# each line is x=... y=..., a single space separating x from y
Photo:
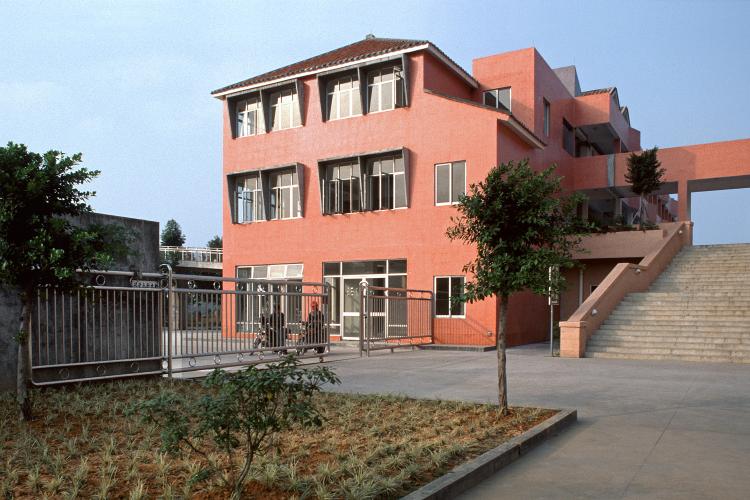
x=240 y=415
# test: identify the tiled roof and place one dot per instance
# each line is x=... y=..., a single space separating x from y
x=369 y=47
x=607 y=90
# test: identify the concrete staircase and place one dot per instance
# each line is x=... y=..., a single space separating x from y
x=697 y=310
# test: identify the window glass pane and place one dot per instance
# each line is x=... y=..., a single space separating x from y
x=374 y=104
x=244 y=272
x=274 y=199
x=396 y=266
x=356 y=101
x=400 y=191
x=442 y=183
x=333 y=107
x=344 y=104
x=503 y=97
x=386 y=196
x=386 y=98
x=397 y=282
x=442 y=296
x=296 y=119
x=251 y=125
x=286 y=203
x=364 y=267
x=346 y=202
x=276 y=272
x=294 y=271
x=374 y=192
x=331 y=268
x=490 y=99
x=459 y=179
x=286 y=121
x=335 y=291
x=276 y=117
x=260 y=272
x=457 y=288
x=296 y=208
x=387 y=74
x=355 y=195
x=400 y=92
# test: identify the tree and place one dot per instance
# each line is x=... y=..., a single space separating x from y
x=521 y=226
x=645 y=175
x=171 y=235
x=39 y=245
x=240 y=413
x=215 y=242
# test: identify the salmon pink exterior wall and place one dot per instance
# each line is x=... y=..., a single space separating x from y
x=445 y=121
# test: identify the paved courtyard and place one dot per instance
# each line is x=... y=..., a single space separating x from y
x=646 y=429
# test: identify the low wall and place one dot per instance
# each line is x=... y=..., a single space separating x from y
x=144 y=257
x=623 y=279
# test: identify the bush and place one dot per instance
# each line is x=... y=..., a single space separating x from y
x=240 y=415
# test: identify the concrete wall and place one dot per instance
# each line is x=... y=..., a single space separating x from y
x=144 y=257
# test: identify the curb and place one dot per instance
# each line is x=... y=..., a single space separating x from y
x=469 y=474
x=454 y=347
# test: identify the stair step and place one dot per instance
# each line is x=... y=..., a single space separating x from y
x=671 y=357
x=707 y=342
x=678 y=351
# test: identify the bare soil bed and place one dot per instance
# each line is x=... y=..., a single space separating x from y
x=84 y=444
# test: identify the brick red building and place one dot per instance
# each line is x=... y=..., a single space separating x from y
x=345 y=166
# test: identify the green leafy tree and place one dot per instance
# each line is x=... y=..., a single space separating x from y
x=645 y=175
x=171 y=235
x=215 y=242
x=240 y=415
x=39 y=244
x=521 y=226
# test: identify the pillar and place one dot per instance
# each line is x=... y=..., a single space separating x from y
x=683 y=202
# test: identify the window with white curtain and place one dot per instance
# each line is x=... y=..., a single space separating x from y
x=249 y=117
x=385 y=90
x=284 y=110
x=249 y=199
x=284 y=202
x=343 y=98
x=386 y=183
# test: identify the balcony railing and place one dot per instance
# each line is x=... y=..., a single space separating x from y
x=193 y=254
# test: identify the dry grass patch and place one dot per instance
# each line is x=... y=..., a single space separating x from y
x=84 y=444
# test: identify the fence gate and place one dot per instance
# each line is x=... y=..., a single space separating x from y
x=125 y=324
x=394 y=317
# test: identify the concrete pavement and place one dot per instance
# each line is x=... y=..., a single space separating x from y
x=647 y=429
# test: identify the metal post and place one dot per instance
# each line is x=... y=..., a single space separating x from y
x=551 y=329
x=170 y=318
x=362 y=314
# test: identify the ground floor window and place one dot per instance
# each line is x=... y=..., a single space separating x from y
x=276 y=284
x=446 y=289
x=345 y=279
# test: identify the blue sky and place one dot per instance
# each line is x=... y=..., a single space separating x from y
x=127 y=83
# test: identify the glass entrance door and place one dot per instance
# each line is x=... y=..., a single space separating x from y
x=352 y=304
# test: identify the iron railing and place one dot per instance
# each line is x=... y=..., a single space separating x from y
x=394 y=317
x=124 y=324
x=193 y=254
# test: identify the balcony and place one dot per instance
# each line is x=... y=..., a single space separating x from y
x=193 y=258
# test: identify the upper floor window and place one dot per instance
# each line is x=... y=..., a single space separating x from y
x=343 y=98
x=386 y=187
x=385 y=90
x=342 y=193
x=284 y=202
x=249 y=199
x=546 y=118
x=498 y=98
x=568 y=138
x=249 y=117
x=447 y=289
x=450 y=182
x=285 y=112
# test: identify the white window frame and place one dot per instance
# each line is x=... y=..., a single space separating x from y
x=450 y=182
x=286 y=100
x=547 y=115
x=496 y=93
x=258 y=208
x=380 y=176
x=277 y=191
x=334 y=93
x=329 y=179
x=251 y=105
x=395 y=70
x=450 y=277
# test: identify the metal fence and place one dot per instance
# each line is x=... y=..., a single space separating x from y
x=125 y=324
x=395 y=317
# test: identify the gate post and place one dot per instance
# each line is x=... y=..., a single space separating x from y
x=170 y=318
x=362 y=316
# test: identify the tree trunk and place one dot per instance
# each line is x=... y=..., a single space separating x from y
x=23 y=373
x=641 y=212
x=502 y=383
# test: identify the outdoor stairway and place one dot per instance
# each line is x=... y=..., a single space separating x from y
x=697 y=310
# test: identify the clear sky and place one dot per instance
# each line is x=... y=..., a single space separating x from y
x=127 y=83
